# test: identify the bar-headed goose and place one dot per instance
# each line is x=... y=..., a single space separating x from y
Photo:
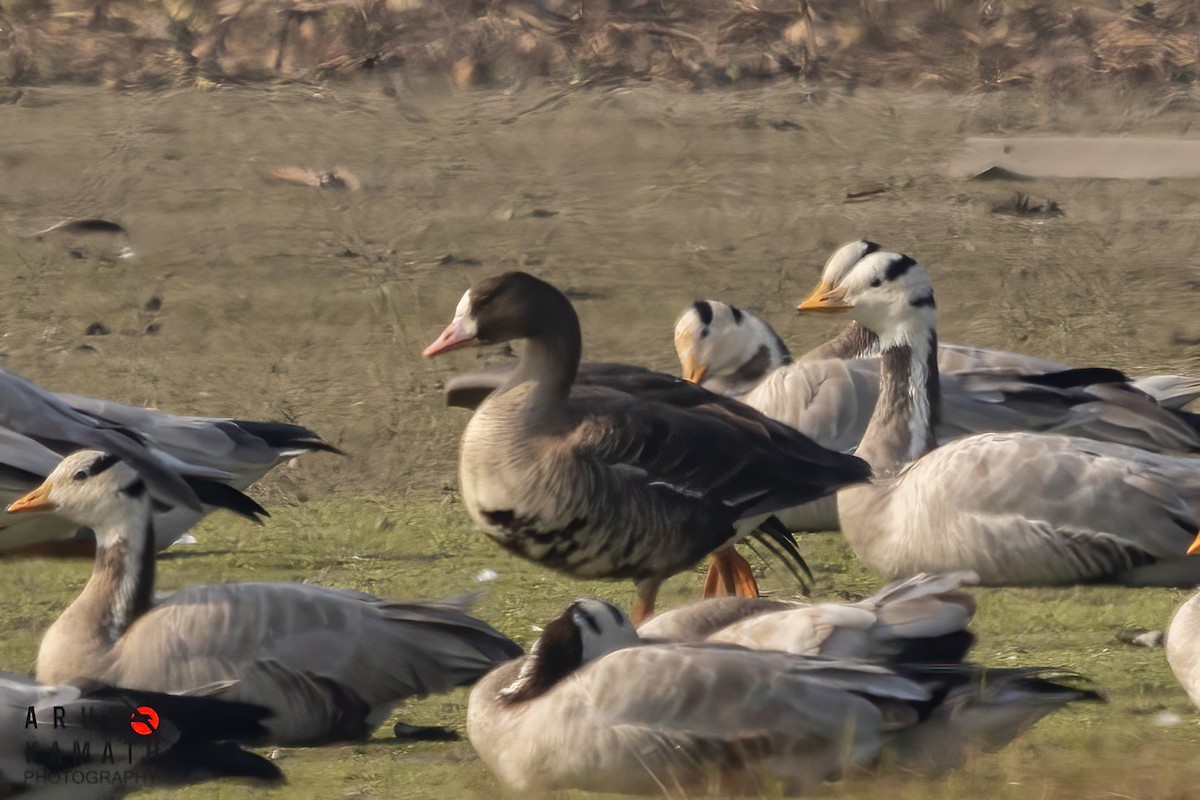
x=733 y=352
x=921 y=619
x=192 y=465
x=1182 y=641
x=329 y=663
x=1016 y=508
x=608 y=483
x=69 y=740
x=592 y=707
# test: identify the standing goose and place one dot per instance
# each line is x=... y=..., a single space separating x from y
x=592 y=707
x=732 y=352
x=329 y=663
x=55 y=738
x=918 y=620
x=1016 y=508
x=607 y=483
x=192 y=465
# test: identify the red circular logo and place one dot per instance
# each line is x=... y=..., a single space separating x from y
x=144 y=721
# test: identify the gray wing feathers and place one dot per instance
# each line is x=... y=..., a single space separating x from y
x=1171 y=391
x=32 y=411
x=1031 y=509
x=338 y=643
x=697 y=621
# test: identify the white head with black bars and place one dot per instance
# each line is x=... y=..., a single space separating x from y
x=887 y=293
x=92 y=489
x=714 y=341
x=586 y=631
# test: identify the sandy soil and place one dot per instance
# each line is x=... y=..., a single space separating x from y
x=280 y=300
x=257 y=297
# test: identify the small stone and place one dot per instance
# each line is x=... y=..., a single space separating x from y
x=153 y=304
x=1167 y=719
x=97 y=329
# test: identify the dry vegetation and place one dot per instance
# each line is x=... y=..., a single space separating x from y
x=964 y=45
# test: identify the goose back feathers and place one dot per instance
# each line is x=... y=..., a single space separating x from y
x=921 y=619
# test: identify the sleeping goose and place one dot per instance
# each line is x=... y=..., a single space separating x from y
x=1016 y=508
x=191 y=464
x=1182 y=641
x=733 y=352
x=54 y=739
x=330 y=664
x=608 y=483
x=592 y=707
x=921 y=619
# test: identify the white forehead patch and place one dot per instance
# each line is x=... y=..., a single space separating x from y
x=464 y=305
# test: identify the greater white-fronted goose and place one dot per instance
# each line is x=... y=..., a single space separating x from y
x=733 y=352
x=592 y=707
x=1016 y=508
x=69 y=740
x=921 y=619
x=329 y=663
x=192 y=465
x=607 y=483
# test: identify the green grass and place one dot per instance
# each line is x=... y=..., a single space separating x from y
x=421 y=546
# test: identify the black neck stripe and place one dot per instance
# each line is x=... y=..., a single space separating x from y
x=135 y=489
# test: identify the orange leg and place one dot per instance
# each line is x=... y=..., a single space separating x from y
x=733 y=575
x=714 y=582
x=647 y=590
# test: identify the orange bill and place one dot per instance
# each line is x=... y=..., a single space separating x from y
x=37 y=500
x=826 y=299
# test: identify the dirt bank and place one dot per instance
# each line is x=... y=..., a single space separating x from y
x=962 y=45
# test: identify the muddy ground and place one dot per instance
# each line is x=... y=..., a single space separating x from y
x=246 y=295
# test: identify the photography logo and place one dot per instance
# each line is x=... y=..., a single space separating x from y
x=97 y=745
x=144 y=721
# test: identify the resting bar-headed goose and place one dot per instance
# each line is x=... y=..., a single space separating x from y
x=921 y=619
x=329 y=663
x=1016 y=508
x=733 y=352
x=609 y=483
x=592 y=707
x=60 y=741
x=191 y=464
x=1182 y=641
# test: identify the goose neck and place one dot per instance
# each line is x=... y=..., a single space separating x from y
x=551 y=356
x=901 y=429
x=121 y=588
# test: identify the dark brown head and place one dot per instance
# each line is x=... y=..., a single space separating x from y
x=511 y=306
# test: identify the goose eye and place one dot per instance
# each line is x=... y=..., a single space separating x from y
x=81 y=475
x=703 y=333
x=876 y=283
